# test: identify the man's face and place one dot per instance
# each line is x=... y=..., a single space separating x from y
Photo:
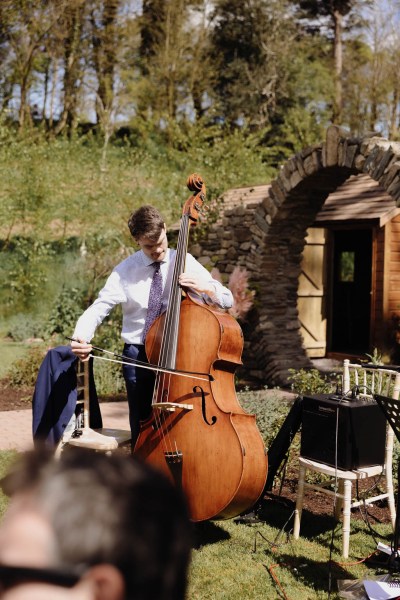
x=154 y=249
x=27 y=540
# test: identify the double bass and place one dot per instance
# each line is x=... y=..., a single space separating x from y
x=198 y=434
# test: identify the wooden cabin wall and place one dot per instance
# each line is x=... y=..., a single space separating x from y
x=392 y=308
x=394 y=268
x=385 y=330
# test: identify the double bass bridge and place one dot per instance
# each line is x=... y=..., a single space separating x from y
x=172 y=406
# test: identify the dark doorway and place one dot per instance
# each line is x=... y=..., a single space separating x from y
x=351 y=291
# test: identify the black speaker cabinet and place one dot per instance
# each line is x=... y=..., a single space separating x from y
x=361 y=432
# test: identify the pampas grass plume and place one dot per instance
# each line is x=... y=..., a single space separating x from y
x=239 y=285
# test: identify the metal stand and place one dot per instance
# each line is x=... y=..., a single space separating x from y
x=391 y=410
x=277 y=456
x=278 y=450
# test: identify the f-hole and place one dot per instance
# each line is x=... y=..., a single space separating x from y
x=197 y=389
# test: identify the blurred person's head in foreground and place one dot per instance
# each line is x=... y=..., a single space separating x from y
x=92 y=527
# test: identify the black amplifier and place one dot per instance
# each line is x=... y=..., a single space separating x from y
x=361 y=431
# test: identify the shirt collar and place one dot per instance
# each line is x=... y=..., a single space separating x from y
x=149 y=261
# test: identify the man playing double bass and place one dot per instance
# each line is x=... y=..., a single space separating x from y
x=141 y=284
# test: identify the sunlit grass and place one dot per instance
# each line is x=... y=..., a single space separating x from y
x=234 y=561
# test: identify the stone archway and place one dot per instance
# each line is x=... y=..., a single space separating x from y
x=264 y=228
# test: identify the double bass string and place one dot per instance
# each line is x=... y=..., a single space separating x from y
x=164 y=383
x=173 y=331
x=170 y=337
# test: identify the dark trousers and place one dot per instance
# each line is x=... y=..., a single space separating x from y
x=139 y=388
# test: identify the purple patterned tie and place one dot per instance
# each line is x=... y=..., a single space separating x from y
x=155 y=299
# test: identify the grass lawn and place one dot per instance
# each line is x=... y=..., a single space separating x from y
x=234 y=561
x=262 y=561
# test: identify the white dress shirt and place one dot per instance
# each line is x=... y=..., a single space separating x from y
x=129 y=285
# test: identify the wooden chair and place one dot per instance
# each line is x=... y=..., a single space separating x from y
x=364 y=381
x=79 y=434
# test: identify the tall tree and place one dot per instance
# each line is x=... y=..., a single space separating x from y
x=170 y=52
x=104 y=50
x=24 y=25
x=371 y=84
x=202 y=74
x=385 y=30
x=332 y=15
x=72 y=29
x=151 y=30
x=251 y=43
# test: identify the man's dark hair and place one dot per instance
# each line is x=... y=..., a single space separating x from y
x=110 y=509
x=146 y=221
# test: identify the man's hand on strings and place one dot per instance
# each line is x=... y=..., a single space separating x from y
x=81 y=349
x=196 y=283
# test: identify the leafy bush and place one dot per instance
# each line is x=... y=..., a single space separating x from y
x=108 y=335
x=65 y=312
x=24 y=326
x=270 y=411
x=312 y=381
x=24 y=266
x=108 y=377
x=24 y=371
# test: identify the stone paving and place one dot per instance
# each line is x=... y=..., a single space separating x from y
x=16 y=425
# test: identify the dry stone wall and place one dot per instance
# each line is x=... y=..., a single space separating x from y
x=263 y=229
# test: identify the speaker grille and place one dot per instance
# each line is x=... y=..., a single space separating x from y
x=361 y=432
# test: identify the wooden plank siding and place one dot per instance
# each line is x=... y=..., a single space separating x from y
x=393 y=304
x=311 y=293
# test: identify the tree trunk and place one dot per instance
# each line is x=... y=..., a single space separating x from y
x=338 y=68
x=22 y=106
x=53 y=93
x=71 y=66
x=394 y=117
x=104 y=55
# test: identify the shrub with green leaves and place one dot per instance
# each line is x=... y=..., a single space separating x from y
x=108 y=377
x=312 y=381
x=24 y=326
x=24 y=371
x=270 y=411
x=65 y=312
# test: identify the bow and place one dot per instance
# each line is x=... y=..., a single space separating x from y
x=126 y=360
